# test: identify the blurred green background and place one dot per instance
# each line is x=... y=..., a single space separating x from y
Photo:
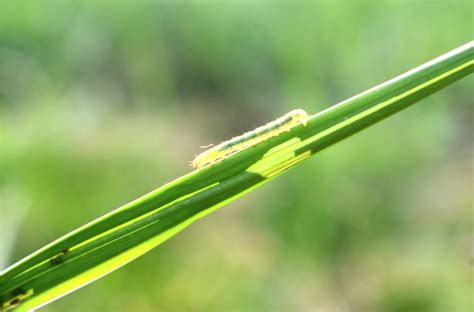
x=101 y=102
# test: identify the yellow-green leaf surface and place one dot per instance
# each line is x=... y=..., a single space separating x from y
x=128 y=232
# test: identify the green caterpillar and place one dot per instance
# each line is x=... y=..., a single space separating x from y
x=251 y=138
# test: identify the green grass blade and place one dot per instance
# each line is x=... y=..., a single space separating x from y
x=126 y=233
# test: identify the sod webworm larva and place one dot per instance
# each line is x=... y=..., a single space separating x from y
x=251 y=138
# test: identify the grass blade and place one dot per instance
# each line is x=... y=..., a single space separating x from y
x=126 y=233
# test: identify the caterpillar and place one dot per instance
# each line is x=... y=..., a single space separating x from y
x=251 y=138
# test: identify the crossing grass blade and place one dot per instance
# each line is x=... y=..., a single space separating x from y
x=128 y=232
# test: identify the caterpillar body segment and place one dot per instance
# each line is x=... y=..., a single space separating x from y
x=251 y=138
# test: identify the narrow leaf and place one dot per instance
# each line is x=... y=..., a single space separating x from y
x=128 y=232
